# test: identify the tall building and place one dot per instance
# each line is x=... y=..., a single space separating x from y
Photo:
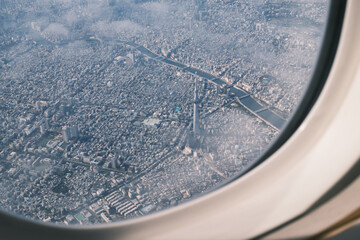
x=115 y=162
x=66 y=133
x=43 y=128
x=131 y=56
x=74 y=132
x=47 y=123
x=196 y=124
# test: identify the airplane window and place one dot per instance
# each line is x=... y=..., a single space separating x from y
x=113 y=110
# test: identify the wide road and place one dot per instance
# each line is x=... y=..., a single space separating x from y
x=242 y=97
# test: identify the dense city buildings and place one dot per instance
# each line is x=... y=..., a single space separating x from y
x=115 y=109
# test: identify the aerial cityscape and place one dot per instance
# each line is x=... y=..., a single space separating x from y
x=114 y=109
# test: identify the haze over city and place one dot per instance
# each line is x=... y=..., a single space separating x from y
x=111 y=110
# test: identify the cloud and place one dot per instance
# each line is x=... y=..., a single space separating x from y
x=125 y=28
x=56 y=31
x=157 y=7
x=71 y=17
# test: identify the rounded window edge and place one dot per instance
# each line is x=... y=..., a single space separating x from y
x=315 y=86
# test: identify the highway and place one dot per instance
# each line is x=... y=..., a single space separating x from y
x=242 y=97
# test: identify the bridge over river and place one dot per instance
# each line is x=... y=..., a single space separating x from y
x=242 y=97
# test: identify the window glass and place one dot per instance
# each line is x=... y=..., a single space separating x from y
x=115 y=109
